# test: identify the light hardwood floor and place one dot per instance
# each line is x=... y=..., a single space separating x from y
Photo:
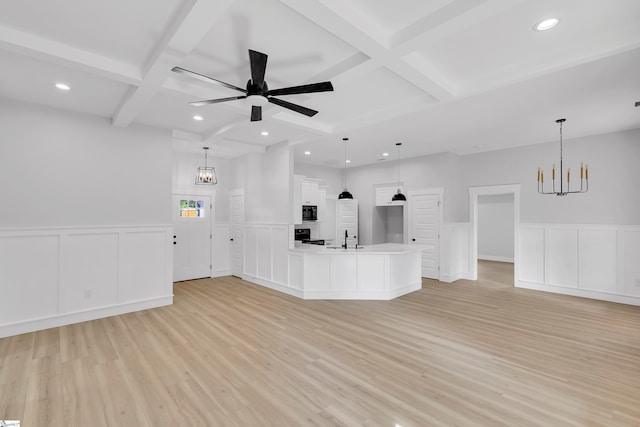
x=229 y=353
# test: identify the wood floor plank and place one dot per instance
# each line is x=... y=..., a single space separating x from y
x=230 y=353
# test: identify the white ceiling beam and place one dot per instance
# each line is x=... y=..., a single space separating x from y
x=68 y=56
x=343 y=23
x=189 y=27
x=461 y=15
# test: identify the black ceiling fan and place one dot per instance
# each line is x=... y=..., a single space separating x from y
x=257 y=91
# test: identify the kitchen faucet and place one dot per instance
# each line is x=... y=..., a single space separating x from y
x=346 y=236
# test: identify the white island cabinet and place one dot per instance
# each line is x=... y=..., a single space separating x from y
x=374 y=272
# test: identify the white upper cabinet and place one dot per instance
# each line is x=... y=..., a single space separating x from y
x=310 y=192
x=385 y=194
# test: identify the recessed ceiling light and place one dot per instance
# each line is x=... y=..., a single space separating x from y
x=63 y=86
x=307 y=153
x=347 y=161
x=198 y=118
x=264 y=133
x=546 y=24
x=385 y=154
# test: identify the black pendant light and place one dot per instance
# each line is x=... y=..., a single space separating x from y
x=345 y=193
x=398 y=197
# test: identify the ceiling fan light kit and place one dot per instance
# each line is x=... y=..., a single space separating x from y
x=584 y=175
x=257 y=92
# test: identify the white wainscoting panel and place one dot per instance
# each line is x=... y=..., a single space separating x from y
x=89 y=269
x=598 y=257
x=372 y=272
x=264 y=252
x=589 y=260
x=630 y=263
x=532 y=257
x=296 y=271
x=344 y=273
x=280 y=255
x=145 y=260
x=220 y=250
x=455 y=256
x=251 y=251
x=58 y=276
x=29 y=277
x=562 y=257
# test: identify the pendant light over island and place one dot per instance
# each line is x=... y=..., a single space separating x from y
x=398 y=197
x=345 y=193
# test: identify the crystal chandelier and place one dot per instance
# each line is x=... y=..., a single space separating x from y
x=584 y=175
x=206 y=175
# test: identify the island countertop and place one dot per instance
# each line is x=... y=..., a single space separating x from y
x=381 y=249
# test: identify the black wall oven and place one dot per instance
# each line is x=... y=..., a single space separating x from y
x=309 y=213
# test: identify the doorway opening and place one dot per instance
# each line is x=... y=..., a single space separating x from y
x=495 y=222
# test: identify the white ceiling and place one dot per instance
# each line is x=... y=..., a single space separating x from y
x=438 y=75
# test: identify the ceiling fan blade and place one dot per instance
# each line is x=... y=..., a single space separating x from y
x=215 y=101
x=310 y=88
x=258 y=67
x=295 y=107
x=256 y=113
x=207 y=79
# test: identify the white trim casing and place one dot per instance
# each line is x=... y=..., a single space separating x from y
x=474 y=192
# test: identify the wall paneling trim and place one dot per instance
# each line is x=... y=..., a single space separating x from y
x=57 y=276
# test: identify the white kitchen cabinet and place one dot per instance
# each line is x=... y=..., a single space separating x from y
x=347 y=219
x=297 y=199
x=385 y=194
x=310 y=189
x=322 y=203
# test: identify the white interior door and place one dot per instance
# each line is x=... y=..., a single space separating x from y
x=347 y=219
x=424 y=213
x=191 y=237
x=235 y=238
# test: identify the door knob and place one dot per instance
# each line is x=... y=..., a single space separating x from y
x=231 y=240
x=174 y=243
x=413 y=240
x=174 y=236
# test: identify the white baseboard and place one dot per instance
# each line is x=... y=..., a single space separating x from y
x=449 y=278
x=81 y=316
x=495 y=258
x=272 y=285
x=221 y=273
x=622 y=299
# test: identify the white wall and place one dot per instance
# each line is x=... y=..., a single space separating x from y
x=495 y=227
x=330 y=177
x=85 y=223
x=266 y=181
x=440 y=170
x=613 y=197
x=68 y=169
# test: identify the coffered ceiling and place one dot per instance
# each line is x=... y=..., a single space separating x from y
x=438 y=75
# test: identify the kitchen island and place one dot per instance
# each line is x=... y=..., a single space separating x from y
x=372 y=272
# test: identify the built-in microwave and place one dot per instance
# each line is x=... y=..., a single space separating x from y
x=309 y=213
